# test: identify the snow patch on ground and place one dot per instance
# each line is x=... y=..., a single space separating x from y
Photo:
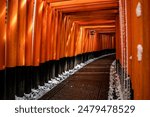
x=117 y=91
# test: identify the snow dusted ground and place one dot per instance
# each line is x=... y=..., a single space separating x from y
x=118 y=91
x=42 y=90
x=114 y=84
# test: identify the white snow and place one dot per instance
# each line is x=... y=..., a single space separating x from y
x=116 y=87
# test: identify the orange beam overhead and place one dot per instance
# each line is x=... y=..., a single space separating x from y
x=78 y=8
x=81 y=2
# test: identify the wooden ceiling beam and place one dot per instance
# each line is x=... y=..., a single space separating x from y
x=97 y=12
x=89 y=7
x=53 y=1
x=80 y=2
x=87 y=18
x=99 y=27
x=102 y=30
x=93 y=22
x=99 y=15
x=88 y=24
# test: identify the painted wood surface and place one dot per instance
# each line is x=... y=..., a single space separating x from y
x=2 y=33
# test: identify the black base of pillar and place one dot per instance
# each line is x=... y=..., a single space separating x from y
x=59 y=66
x=20 y=81
x=51 y=69
x=72 y=62
x=10 y=81
x=68 y=63
x=47 y=72
x=35 y=78
x=56 y=64
x=2 y=84
x=65 y=64
x=42 y=72
x=132 y=91
x=28 y=81
x=132 y=94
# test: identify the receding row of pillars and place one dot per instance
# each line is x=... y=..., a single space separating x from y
x=21 y=79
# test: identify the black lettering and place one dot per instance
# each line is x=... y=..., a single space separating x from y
x=21 y=108
x=52 y=109
x=35 y=110
x=67 y=109
x=48 y=110
x=56 y=110
x=16 y=110
x=40 y=110
x=61 y=110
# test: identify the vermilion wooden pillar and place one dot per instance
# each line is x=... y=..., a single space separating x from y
x=137 y=32
x=62 y=37
x=51 y=51
x=29 y=34
x=44 y=33
x=22 y=10
x=2 y=46
x=12 y=35
x=3 y=22
x=11 y=48
x=55 y=35
x=118 y=40
x=129 y=36
x=58 y=46
x=29 y=45
x=37 y=42
x=146 y=53
x=37 y=33
x=44 y=65
x=49 y=40
x=20 y=70
x=137 y=38
x=48 y=35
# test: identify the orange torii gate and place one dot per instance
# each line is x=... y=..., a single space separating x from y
x=36 y=35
